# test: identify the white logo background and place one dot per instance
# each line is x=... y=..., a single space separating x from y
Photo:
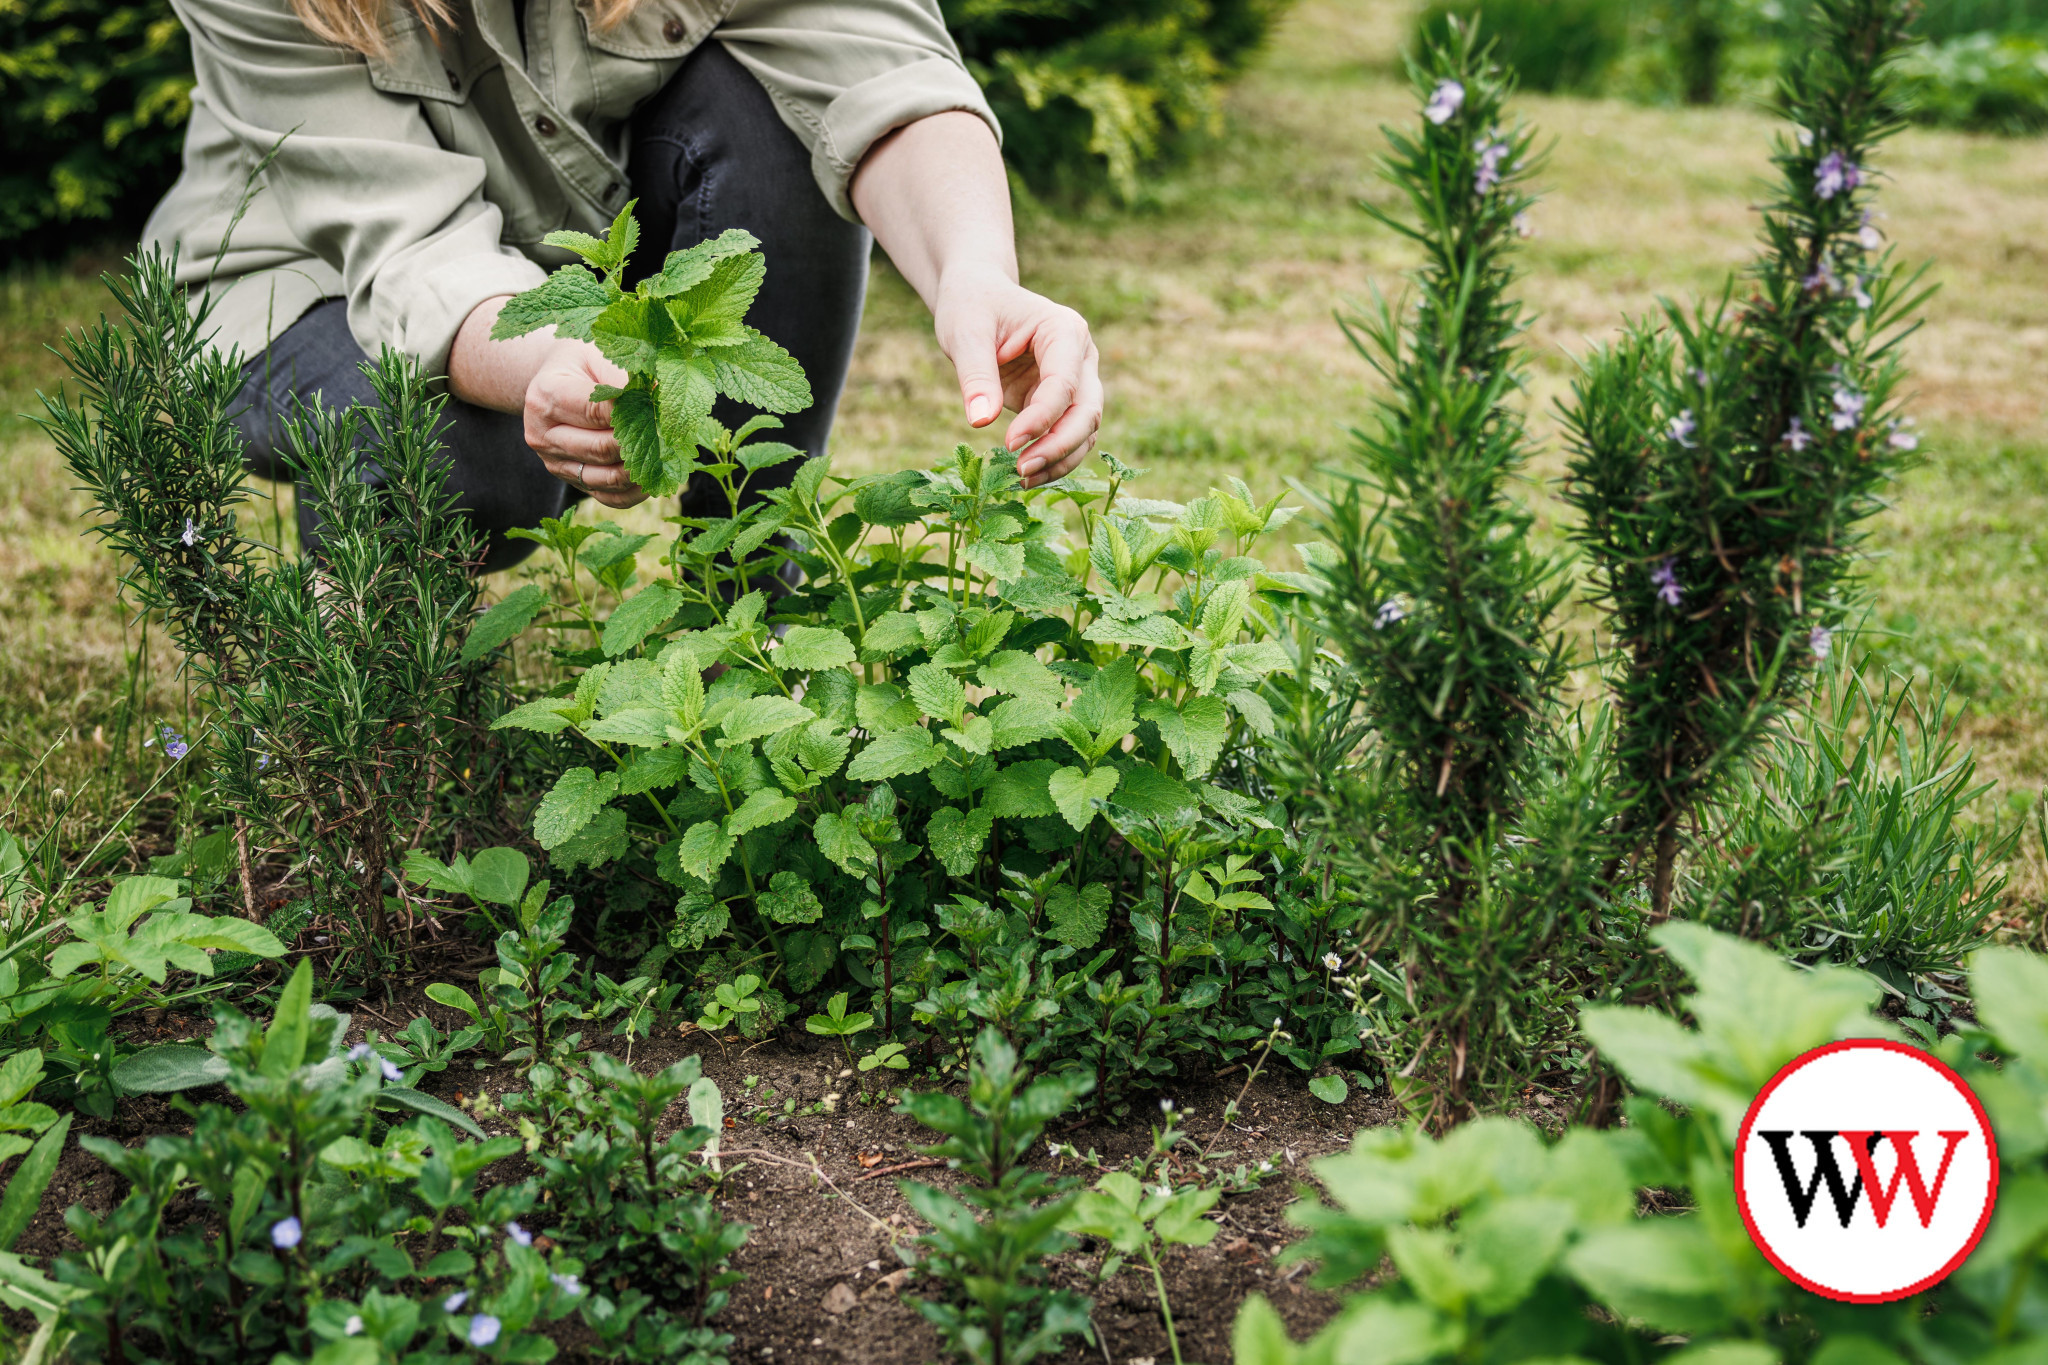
x=1866 y=1086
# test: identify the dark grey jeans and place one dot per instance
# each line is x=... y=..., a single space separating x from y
x=708 y=153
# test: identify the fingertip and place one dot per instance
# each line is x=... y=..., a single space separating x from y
x=982 y=409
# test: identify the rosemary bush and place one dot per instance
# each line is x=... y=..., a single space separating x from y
x=338 y=685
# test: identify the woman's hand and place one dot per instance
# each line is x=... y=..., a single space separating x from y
x=548 y=380
x=572 y=435
x=1016 y=349
x=936 y=196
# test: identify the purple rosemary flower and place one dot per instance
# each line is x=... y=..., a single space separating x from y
x=1834 y=174
x=1902 y=439
x=1860 y=291
x=453 y=1303
x=1665 y=580
x=286 y=1233
x=1445 y=103
x=483 y=1329
x=191 y=536
x=1867 y=236
x=1821 y=642
x=1682 y=427
x=1390 y=611
x=1491 y=154
x=1523 y=226
x=1798 y=437
x=519 y=1234
x=262 y=762
x=1848 y=409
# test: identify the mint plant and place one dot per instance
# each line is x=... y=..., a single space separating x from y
x=680 y=336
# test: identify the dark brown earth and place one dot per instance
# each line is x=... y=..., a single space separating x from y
x=821 y=1264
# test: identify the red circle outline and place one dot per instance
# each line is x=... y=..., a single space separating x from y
x=1883 y=1045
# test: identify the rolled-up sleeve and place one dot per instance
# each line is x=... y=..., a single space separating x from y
x=357 y=177
x=845 y=73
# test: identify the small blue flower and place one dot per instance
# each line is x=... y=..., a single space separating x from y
x=390 y=1069
x=1390 y=611
x=286 y=1233
x=1665 y=579
x=191 y=536
x=1848 y=411
x=1491 y=154
x=1797 y=437
x=1821 y=642
x=483 y=1329
x=1834 y=174
x=519 y=1234
x=1445 y=103
x=568 y=1284
x=453 y=1303
x=1682 y=427
x=175 y=746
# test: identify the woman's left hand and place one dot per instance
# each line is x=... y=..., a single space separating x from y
x=1020 y=350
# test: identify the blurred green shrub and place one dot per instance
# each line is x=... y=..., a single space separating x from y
x=1944 y=19
x=1992 y=81
x=1090 y=90
x=93 y=99
x=1551 y=44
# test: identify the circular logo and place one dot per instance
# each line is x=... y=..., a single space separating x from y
x=1866 y=1171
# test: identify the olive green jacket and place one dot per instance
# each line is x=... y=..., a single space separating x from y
x=418 y=184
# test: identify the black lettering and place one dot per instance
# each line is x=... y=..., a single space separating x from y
x=1824 y=1168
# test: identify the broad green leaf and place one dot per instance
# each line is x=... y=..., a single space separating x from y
x=1077 y=918
x=569 y=300
x=2010 y=988
x=727 y=292
x=761 y=374
x=134 y=897
x=790 y=900
x=682 y=683
x=503 y=621
x=1075 y=793
x=643 y=727
x=882 y=707
x=499 y=875
x=454 y=997
x=1329 y=1089
x=975 y=734
x=891 y=632
x=762 y=808
x=1022 y=676
x=809 y=648
x=597 y=843
x=1151 y=632
x=699 y=919
x=1105 y=704
x=1023 y=720
x=840 y=840
x=937 y=693
x=807 y=955
x=1194 y=734
x=896 y=754
x=284 y=1042
x=637 y=424
x=576 y=796
x=25 y=1187
x=999 y=560
x=1259 y=1336
x=544 y=715
x=692 y=265
x=654 y=770
x=171 y=1067
x=1666 y=1271
x=706 y=846
x=687 y=390
x=956 y=837
x=20 y=1074
x=760 y=717
x=1022 y=790
x=625 y=333
x=1151 y=795
x=638 y=617
x=404 y=1097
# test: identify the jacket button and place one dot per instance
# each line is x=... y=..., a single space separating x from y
x=544 y=125
x=673 y=30
x=454 y=81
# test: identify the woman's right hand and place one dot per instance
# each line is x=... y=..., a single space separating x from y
x=572 y=435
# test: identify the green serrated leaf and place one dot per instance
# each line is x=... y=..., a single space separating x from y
x=1075 y=792
x=503 y=621
x=809 y=648
x=576 y=796
x=638 y=617
x=568 y=300
x=840 y=840
x=895 y=754
x=1078 y=918
x=761 y=374
x=706 y=846
x=956 y=837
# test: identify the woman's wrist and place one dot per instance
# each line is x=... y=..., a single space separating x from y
x=496 y=374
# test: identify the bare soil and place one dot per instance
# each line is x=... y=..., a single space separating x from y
x=819 y=1189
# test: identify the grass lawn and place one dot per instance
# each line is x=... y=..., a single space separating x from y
x=1213 y=304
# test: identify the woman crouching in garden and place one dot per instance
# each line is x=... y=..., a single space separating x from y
x=408 y=157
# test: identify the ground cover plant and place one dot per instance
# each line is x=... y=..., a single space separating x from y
x=1084 y=671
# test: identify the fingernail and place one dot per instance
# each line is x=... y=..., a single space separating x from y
x=1028 y=467
x=980 y=408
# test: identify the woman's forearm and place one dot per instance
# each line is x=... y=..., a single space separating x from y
x=936 y=197
x=495 y=374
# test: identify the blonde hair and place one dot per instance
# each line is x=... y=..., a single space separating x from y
x=359 y=24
